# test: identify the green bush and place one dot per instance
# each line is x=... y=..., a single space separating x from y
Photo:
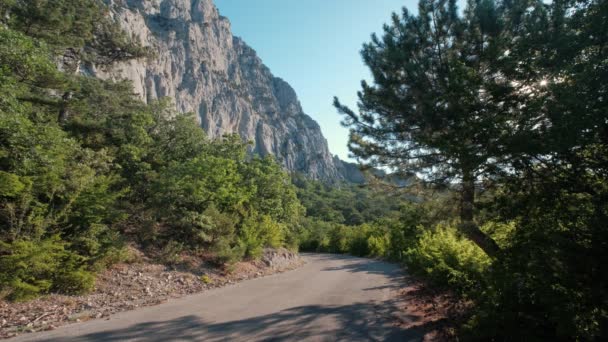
x=76 y=281
x=502 y=233
x=272 y=232
x=548 y=281
x=19 y=290
x=228 y=253
x=251 y=238
x=10 y=185
x=313 y=235
x=377 y=246
x=218 y=225
x=113 y=256
x=31 y=268
x=171 y=252
x=448 y=259
x=340 y=239
x=357 y=239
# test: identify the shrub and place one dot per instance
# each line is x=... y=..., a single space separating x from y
x=339 y=239
x=171 y=253
x=357 y=239
x=314 y=235
x=251 y=238
x=19 y=290
x=206 y=279
x=218 y=224
x=257 y=232
x=502 y=233
x=10 y=185
x=31 y=268
x=101 y=245
x=378 y=245
x=227 y=253
x=272 y=232
x=448 y=259
x=76 y=281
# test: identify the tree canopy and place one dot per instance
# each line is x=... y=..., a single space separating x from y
x=505 y=103
x=114 y=171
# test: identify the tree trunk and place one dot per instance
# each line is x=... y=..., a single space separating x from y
x=467 y=224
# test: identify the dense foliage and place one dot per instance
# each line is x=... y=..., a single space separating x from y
x=344 y=203
x=506 y=105
x=86 y=167
x=500 y=110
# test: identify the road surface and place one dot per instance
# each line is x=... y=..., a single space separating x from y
x=331 y=298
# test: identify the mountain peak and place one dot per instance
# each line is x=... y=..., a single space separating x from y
x=206 y=70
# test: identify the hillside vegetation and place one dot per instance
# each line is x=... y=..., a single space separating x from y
x=86 y=167
x=504 y=105
x=500 y=112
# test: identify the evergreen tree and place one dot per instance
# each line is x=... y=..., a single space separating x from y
x=548 y=281
x=78 y=32
x=429 y=110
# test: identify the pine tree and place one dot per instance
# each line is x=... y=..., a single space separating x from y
x=80 y=32
x=430 y=109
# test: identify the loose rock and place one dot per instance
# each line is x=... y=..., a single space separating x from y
x=115 y=293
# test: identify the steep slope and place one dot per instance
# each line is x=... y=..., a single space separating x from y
x=208 y=71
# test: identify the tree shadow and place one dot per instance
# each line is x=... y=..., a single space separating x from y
x=355 y=322
x=363 y=321
x=384 y=287
x=369 y=266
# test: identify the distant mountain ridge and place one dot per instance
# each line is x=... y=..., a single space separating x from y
x=206 y=70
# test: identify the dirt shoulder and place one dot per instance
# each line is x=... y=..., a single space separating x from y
x=129 y=286
x=435 y=313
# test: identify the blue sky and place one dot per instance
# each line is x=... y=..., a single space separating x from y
x=314 y=45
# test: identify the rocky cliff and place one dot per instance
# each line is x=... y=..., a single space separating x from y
x=208 y=71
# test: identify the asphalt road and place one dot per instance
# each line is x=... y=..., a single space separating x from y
x=331 y=298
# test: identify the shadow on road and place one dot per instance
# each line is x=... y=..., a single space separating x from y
x=392 y=272
x=368 y=321
x=358 y=265
x=352 y=323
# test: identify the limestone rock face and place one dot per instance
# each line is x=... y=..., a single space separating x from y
x=349 y=171
x=206 y=70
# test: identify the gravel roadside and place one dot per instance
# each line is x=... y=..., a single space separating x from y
x=125 y=287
